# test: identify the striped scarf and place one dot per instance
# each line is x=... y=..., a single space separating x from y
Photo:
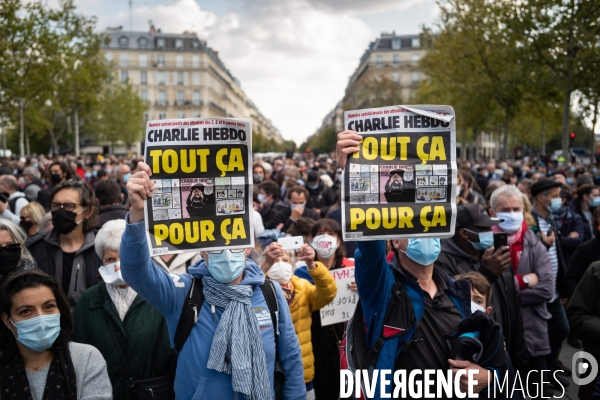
x=237 y=347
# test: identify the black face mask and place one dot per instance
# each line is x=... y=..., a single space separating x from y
x=64 y=221
x=10 y=260
x=26 y=225
x=56 y=178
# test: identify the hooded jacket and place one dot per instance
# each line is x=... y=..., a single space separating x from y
x=167 y=293
x=49 y=257
x=506 y=308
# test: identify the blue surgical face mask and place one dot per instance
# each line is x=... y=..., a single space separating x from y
x=261 y=198
x=595 y=202
x=126 y=177
x=95 y=174
x=301 y=205
x=312 y=187
x=423 y=251
x=39 y=333
x=226 y=266
x=88 y=175
x=570 y=181
x=555 y=204
x=486 y=240
x=512 y=221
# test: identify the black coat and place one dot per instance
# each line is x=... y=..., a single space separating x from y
x=585 y=254
x=321 y=198
x=506 y=307
x=270 y=211
x=568 y=221
x=110 y=213
x=284 y=217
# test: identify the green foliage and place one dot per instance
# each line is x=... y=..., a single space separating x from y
x=260 y=144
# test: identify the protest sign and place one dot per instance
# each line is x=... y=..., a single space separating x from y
x=202 y=175
x=402 y=182
x=342 y=306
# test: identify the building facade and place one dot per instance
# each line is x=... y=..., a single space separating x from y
x=181 y=77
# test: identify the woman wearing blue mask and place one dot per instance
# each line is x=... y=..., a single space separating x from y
x=585 y=202
x=38 y=359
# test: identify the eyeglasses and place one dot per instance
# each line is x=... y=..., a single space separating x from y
x=221 y=251
x=12 y=247
x=67 y=206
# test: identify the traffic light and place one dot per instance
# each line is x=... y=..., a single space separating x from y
x=572 y=136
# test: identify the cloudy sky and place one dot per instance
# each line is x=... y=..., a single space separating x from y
x=292 y=57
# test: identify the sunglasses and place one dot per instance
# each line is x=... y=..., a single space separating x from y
x=12 y=247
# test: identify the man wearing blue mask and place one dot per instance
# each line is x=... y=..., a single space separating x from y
x=546 y=202
x=437 y=303
x=230 y=351
x=471 y=249
x=297 y=197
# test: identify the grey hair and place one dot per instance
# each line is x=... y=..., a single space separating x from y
x=33 y=172
x=18 y=235
x=505 y=190
x=109 y=236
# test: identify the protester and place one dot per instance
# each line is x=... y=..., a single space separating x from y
x=482 y=178
x=481 y=291
x=228 y=323
x=585 y=254
x=258 y=173
x=176 y=264
x=533 y=272
x=585 y=202
x=471 y=250
x=297 y=197
x=38 y=360
x=320 y=196
x=31 y=217
x=114 y=319
x=546 y=196
x=468 y=191
x=13 y=253
x=123 y=174
x=33 y=185
x=268 y=196
x=110 y=199
x=11 y=199
x=303 y=298
x=569 y=226
x=67 y=251
x=58 y=172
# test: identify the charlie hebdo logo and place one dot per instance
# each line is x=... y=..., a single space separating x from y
x=584 y=367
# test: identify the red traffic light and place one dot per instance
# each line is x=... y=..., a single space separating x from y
x=572 y=135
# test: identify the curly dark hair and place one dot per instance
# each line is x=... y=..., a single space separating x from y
x=26 y=279
x=87 y=199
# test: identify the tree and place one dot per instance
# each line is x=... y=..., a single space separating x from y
x=561 y=36
x=120 y=114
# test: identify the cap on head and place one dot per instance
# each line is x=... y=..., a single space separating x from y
x=543 y=185
x=474 y=215
x=312 y=177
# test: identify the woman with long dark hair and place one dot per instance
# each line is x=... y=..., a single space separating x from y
x=38 y=360
x=588 y=198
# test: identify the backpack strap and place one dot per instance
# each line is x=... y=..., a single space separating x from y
x=12 y=203
x=189 y=316
x=271 y=298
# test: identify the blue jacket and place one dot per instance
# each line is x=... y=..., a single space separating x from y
x=167 y=293
x=375 y=279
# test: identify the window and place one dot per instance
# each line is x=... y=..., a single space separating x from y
x=196 y=99
x=160 y=43
x=144 y=95
x=196 y=78
x=124 y=76
x=396 y=59
x=196 y=114
x=162 y=98
x=396 y=76
x=396 y=43
x=108 y=56
x=379 y=61
x=195 y=61
x=416 y=58
x=143 y=43
x=179 y=61
x=180 y=78
x=161 y=60
x=181 y=114
x=123 y=42
x=178 y=44
x=143 y=60
x=416 y=77
x=195 y=44
x=160 y=79
x=123 y=59
x=143 y=78
x=162 y=115
x=416 y=43
x=180 y=97
x=214 y=84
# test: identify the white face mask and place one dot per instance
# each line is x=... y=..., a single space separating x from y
x=111 y=273
x=324 y=245
x=476 y=307
x=512 y=221
x=281 y=272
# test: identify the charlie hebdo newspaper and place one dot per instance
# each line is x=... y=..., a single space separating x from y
x=202 y=198
x=402 y=182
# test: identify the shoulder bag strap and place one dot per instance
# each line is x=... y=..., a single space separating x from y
x=189 y=314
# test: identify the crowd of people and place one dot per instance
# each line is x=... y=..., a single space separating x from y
x=88 y=313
